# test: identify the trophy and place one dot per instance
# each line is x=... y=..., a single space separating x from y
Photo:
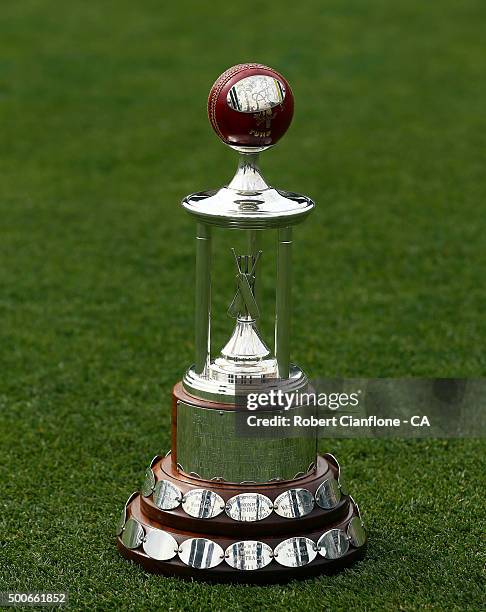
x=220 y=505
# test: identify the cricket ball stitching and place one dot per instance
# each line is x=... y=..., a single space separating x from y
x=218 y=86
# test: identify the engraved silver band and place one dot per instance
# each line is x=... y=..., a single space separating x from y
x=209 y=447
x=244 y=555
x=250 y=506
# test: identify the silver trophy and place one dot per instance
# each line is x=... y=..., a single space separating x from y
x=223 y=505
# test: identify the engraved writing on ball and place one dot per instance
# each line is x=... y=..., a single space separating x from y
x=256 y=93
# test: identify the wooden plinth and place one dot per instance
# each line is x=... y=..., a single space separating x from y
x=225 y=531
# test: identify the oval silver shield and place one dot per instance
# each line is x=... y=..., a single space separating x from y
x=248 y=555
x=133 y=533
x=166 y=495
x=200 y=553
x=333 y=544
x=249 y=507
x=295 y=552
x=202 y=503
x=160 y=545
x=294 y=503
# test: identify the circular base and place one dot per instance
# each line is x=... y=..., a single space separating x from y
x=228 y=388
x=175 y=543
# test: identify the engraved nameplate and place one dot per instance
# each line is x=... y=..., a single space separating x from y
x=333 y=544
x=248 y=555
x=295 y=552
x=200 y=553
x=328 y=495
x=249 y=507
x=166 y=495
x=294 y=503
x=202 y=503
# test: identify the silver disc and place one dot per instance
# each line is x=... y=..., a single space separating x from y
x=248 y=555
x=133 y=534
x=295 y=552
x=200 y=553
x=154 y=460
x=166 y=495
x=121 y=521
x=333 y=544
x=249 y=507
x=342 y=484
x=356 y=532
x=123 y=515
x=294 y=503
x=357 y=508
x=148 y=482
x=202 y=503
x=330 y=457
x=328 y=495
x=160 y=545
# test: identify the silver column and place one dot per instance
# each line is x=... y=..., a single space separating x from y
x=253 y=243
x=203 y=297
x=283 y=297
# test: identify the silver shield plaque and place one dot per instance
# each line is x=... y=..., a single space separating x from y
x=249 y=507
x=202 y=503
x=148 y=482
x=295 y=552
x=328 y=495
x=200 y=553
x=357 y=508
x=160 y=545
x=342 y=484
x=133 y=534
x=123 y=515
x=248 y=555
x=294 y=503
x=333 y=544
x=255 y=94
x=154 y=460
x=166 y=495
x=341 y=481
x=356 y=532
x=121 y=522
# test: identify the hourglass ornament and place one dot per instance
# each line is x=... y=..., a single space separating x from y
x=221 y=506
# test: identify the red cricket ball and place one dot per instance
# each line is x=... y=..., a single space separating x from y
x=250 y=105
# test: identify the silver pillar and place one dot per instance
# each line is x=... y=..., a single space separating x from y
x=283 y=301
x=203 y=297
x=253 y=244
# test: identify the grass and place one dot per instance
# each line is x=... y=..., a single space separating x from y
x=103 y=131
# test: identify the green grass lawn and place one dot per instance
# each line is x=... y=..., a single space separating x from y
x=103 y=130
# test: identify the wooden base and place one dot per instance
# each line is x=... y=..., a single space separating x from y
x=225 y=531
